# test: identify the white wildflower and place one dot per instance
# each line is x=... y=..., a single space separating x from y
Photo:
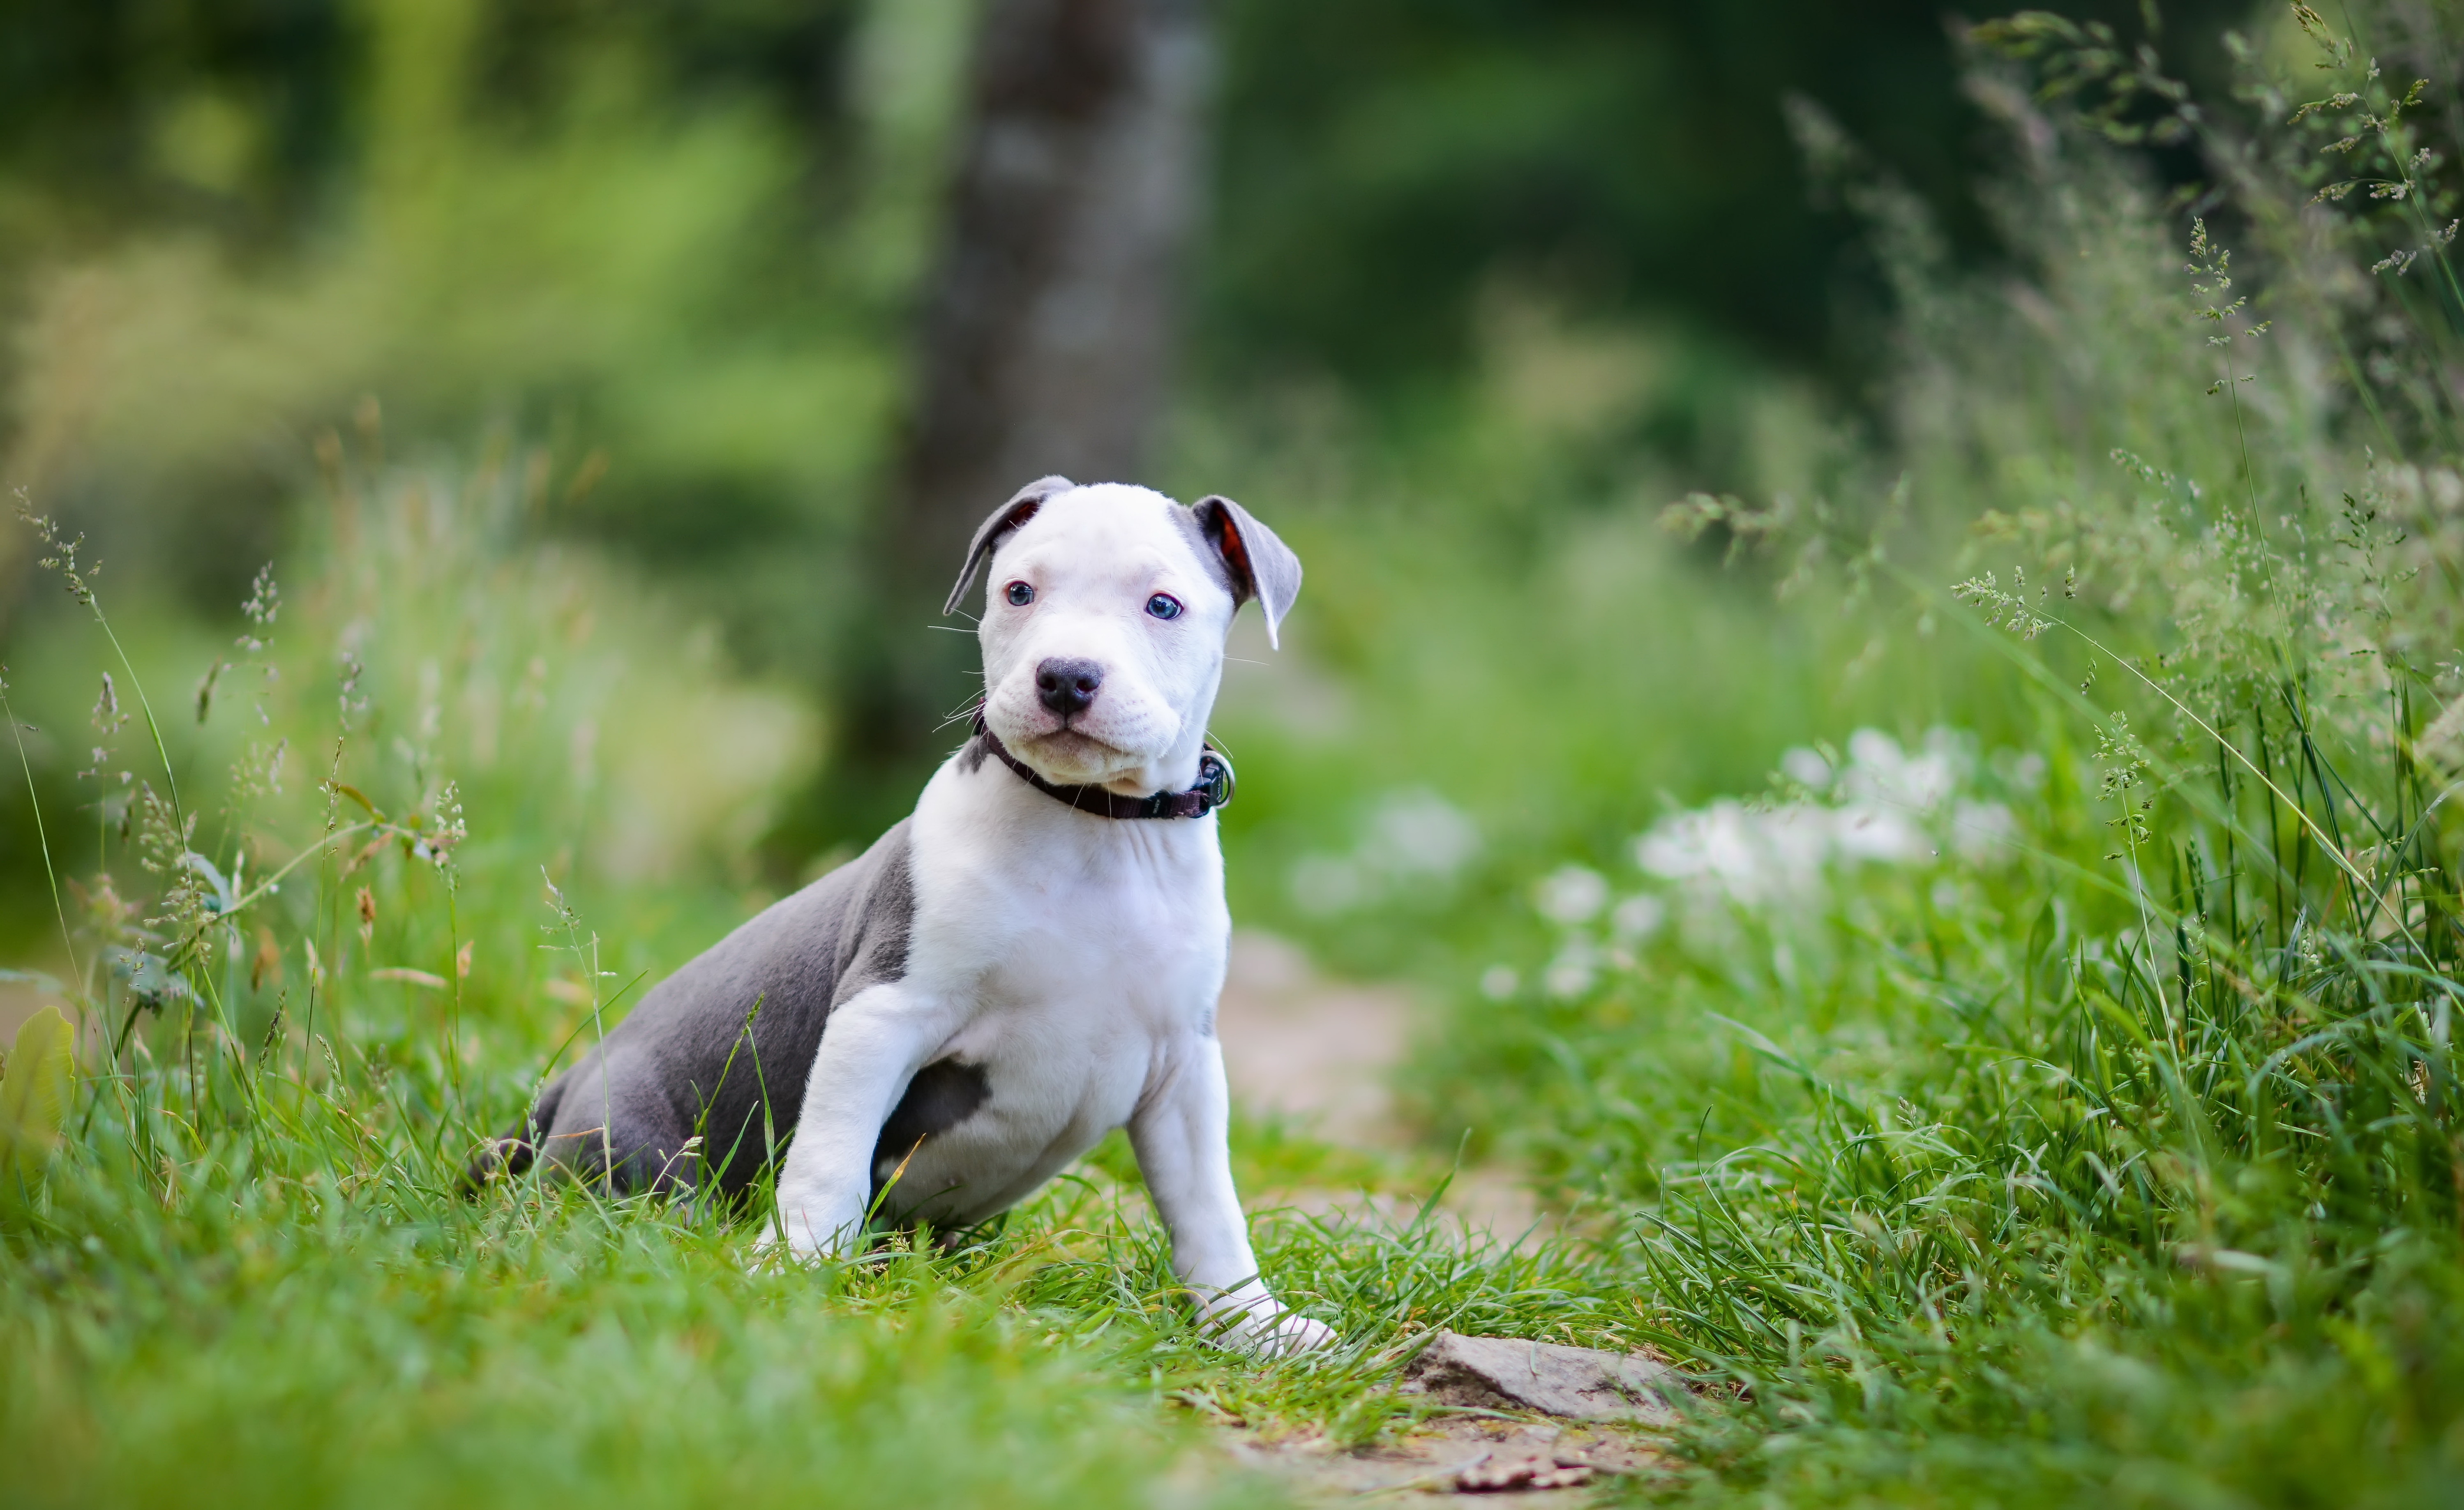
x=1637 y=918
x=1572 y=895
x=1419 y=833
x=1889 y=806
x=1807 y=768
x=1414 y=839
x=1572 y=972
x=1982 y=833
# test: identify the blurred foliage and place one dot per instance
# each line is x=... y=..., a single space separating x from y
x=437 y=675
x=685 y=235
x=241 y=113
x=1382 y=162
x=127 y=111
x=637 y=236
x=1529 y=270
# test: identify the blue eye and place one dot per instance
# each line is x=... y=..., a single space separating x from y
x=1018 y=594
x=1164 y=605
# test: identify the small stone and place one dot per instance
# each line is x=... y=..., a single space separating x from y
x=1503 y=1373
x=1493 y=1478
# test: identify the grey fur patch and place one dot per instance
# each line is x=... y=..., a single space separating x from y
x=1019 y=509
x=1186 y=522
x=973 y=754
x=722 y=1048
x=943 y=1094
x=1262 y=565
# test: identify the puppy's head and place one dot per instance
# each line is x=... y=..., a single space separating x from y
x=1105 y=614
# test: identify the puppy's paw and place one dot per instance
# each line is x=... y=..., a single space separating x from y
x=767 y=1251
x=1293 y=1333
x=795 y=1236
x=1249 y=1320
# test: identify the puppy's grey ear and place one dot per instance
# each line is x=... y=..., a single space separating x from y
x=1262 y=565
x=1019 y=509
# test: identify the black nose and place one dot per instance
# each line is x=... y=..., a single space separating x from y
x=1068 y=685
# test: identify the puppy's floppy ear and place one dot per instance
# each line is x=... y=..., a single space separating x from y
x=1019 y=509
x=1263 y=567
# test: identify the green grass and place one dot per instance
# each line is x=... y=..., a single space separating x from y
x=311 y=1316
x=302 y=1347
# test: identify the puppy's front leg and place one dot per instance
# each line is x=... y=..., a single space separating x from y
x=872 y=1046
x=1180 y=1136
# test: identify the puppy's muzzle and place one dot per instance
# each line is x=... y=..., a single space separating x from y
x=1066 y=685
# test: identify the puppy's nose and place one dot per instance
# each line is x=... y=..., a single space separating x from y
x=1068 y=685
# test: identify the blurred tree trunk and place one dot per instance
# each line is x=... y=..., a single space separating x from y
x=1045 y=338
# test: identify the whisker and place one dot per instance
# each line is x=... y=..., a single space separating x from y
x=964 y=712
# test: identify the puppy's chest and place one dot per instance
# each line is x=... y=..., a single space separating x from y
x=1077 y=980
x=1080 y=968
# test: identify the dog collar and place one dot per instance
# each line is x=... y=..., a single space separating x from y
x=1213 y=788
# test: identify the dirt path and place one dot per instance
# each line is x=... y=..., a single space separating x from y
x=1320 y=1052
x=1315 y=1050
x=1424 y=1467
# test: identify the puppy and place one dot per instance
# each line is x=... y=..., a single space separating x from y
x=930 y=1032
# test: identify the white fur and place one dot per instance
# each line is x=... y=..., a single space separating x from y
x=1077 y=958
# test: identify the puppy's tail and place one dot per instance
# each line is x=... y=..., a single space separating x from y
x=511 y=1153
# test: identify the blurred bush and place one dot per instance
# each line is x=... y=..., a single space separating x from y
x=489 y=716
x=1384 y=162
x=609 y=234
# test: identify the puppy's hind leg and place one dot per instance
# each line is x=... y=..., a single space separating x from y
x=616 y=1133
x=510 y=1153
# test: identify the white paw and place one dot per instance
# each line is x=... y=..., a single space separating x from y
x=1249 y=1320
x=796 y=1236
x=1293 y=1333
x=778 y=1247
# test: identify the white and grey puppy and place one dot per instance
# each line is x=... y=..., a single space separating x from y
x=1032 y=959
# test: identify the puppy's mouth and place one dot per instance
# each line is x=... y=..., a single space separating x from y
x=1076 y=754
x=1097 y=746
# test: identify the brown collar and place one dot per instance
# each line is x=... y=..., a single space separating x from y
x=1213 y=788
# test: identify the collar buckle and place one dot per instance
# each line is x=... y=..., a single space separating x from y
x=1215 y=783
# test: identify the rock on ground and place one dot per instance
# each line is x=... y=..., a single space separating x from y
x=1502 y=1373
x=1508 y=1465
